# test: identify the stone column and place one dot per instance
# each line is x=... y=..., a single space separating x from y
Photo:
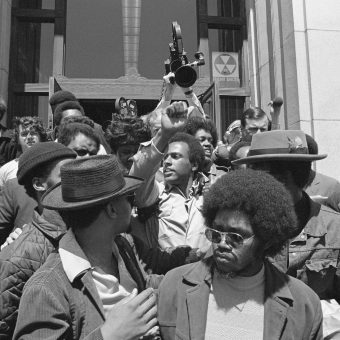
x=131 y=31
x=5 y=38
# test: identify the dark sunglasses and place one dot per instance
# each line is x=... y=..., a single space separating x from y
x=230 y=238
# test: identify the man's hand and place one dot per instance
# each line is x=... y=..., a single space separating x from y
x=174 y=118
x=275 y=106
x=169 y=86
x=131 y=318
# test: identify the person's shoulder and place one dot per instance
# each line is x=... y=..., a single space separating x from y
x=301 y=292
x=298 y=289
x=31 y=246
x=49 y=274
x=177 y=275
x=330 y=181
x=9 y=166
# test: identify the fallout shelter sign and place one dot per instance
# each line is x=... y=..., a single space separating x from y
x=225 y=65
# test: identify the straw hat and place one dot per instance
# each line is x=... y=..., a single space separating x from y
x=88 y=182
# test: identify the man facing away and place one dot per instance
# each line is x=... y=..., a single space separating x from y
x=88 y=289
x=234 y=292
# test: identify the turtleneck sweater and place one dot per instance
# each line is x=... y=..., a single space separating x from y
x=236 y=307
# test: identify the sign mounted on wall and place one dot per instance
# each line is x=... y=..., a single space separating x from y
x=225 y=65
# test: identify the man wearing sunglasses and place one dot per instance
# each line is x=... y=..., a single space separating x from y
x=234 y=292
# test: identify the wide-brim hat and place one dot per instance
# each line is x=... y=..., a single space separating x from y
x=88 y=182
x=280 y=145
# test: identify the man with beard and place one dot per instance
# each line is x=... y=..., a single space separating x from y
x=234 y=292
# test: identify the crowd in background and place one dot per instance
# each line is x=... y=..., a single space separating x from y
x=158 y=228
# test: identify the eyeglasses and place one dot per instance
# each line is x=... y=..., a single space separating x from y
x=230 y=238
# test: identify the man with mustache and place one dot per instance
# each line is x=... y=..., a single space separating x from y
x=234 y=292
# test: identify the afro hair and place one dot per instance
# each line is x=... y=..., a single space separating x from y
x=264 y=200
x=197 y=123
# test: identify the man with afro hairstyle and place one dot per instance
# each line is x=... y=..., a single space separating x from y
x=234 y=292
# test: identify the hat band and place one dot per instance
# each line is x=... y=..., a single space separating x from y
x=88 y=192
x=257 y=152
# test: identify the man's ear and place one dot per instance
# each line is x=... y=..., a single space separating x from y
x=39 y=184
x=111 y=209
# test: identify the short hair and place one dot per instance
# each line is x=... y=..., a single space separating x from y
x=237 y=146
x=196 y=152
x=253 y=113
x=68 y=105
x=33 y=123
x=265 y=201
x=197 y=123
x=126 y=131
x=69 y=131
x=61 y=97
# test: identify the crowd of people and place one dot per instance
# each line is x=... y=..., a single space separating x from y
x=156 y=229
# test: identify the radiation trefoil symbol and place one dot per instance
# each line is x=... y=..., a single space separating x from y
x=225 y=64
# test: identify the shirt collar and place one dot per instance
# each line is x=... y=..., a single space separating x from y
x=73 y=259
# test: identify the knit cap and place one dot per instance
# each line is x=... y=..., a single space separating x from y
x=39 y=154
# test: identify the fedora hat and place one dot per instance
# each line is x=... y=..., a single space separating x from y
x=280 y=145
x=88 y=182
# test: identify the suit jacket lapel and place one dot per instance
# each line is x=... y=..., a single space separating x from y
x=278 y=299
x=197 y=304
x=197 y=298
x=92 y=292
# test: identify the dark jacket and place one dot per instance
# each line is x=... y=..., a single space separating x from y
x=325 y=190
x=16 y=208
x=291 y=309
x=314 y=256
x=53 y=307
x=19 y=261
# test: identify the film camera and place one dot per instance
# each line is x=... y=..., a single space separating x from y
x=185 y=73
